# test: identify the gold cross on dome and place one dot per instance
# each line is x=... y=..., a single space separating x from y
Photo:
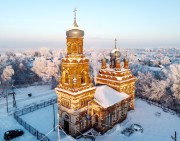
x=115 y=42
x=74 y=13
x=75 y=23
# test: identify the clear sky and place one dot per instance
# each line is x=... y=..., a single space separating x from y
x=135 y=23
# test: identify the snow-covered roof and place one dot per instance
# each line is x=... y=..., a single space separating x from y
x=119 y=78
x=107 y=96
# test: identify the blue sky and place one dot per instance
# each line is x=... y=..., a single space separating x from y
x=135 y=23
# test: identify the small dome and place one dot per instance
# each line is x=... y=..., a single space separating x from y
x=115 y=53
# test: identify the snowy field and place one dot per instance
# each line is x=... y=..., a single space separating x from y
x=7 y=122
x=155 y=128
x=39 y=94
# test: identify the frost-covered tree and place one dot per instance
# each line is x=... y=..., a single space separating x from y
x=94 y=64
x=147 y=86
x=3 y=62
x=165 y=60
x=7 y=74
x=100 y=56
x=173 y=78
x=176 y=89
x=157 y=89
x=57 y=53
x=45 y=52
x=46 y=68
x=39 y=67
x=143 y=84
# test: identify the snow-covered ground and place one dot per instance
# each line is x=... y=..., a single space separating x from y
x=155 y=128
x=43 y=120
x=7 y=122
x=39 y=93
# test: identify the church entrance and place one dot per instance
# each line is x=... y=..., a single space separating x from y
x=66 y=124
x=96 y=120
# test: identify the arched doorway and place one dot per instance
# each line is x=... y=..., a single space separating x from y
x=96 y=120
x=66 y=124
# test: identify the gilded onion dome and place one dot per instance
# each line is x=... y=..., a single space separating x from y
x=75 y=32
x=115 y=53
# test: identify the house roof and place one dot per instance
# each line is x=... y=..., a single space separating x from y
x=107 y=96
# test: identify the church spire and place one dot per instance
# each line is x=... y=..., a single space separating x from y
x=75 y=23
x=115 y=43
x=74 y=31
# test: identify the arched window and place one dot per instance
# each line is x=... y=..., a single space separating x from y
x=83 y=122
x=66 y=78
x=115 y=114
x=79 y=48
x=82 y=78
x=108 y=119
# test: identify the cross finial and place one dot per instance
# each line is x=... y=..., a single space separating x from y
x=75 y=13
x=75 y=24
x=115 y=42
x=126 y=53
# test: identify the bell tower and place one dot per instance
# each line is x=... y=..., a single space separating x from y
x=75 y=88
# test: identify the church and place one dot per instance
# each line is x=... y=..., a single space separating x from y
x=81 y=105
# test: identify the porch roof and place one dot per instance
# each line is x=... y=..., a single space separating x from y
x=107 y=96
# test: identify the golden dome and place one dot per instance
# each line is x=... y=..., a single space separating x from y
x=75 y=32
